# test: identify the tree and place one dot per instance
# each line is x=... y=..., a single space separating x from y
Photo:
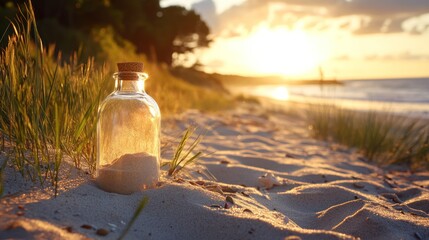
x=157 y=32
x=179 y=31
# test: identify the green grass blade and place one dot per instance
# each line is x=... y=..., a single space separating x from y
x=181 y=157
x=136 y=214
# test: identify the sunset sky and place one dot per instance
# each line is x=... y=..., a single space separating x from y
x=348 y=39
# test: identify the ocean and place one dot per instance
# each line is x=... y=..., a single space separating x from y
x=407 y=96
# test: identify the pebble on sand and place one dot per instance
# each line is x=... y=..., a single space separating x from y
x=268 y=181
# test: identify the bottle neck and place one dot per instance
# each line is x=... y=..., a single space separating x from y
x=129 y=86
x=130 y=82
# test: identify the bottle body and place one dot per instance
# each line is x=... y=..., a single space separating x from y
x=128 y=139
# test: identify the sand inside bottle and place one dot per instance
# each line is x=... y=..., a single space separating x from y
x=129 y=173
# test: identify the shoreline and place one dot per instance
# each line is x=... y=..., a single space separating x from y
x=403 y=109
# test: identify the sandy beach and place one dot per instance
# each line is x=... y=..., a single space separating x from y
x=273 y=181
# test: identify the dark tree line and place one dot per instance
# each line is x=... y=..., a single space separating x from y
x=157 y=32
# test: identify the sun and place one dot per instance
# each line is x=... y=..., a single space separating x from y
x=267 y=51
x=282 y=51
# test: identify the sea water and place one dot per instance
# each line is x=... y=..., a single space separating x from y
x=407 y=96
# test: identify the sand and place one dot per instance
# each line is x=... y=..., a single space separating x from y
x=129 y=173
x=273 y=181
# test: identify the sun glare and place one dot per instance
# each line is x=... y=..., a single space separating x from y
x=280 y=93
x=267 y=51
x=281 y=51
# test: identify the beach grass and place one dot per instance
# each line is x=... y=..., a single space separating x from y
x=48 y=105
x=382 y=137
x=184 y=154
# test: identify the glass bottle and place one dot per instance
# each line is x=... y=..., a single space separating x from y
x=128 y=134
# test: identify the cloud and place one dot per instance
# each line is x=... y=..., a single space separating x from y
x=247 y=15
x=417 y=24
x=207 y=10
x=381 y=25
x=401 y=56
x=386 y=8
x=363 y=16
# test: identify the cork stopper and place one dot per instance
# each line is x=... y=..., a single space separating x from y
x=130 y=67
x=129 y=70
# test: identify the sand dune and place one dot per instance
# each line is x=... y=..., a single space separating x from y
x=320 y=191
